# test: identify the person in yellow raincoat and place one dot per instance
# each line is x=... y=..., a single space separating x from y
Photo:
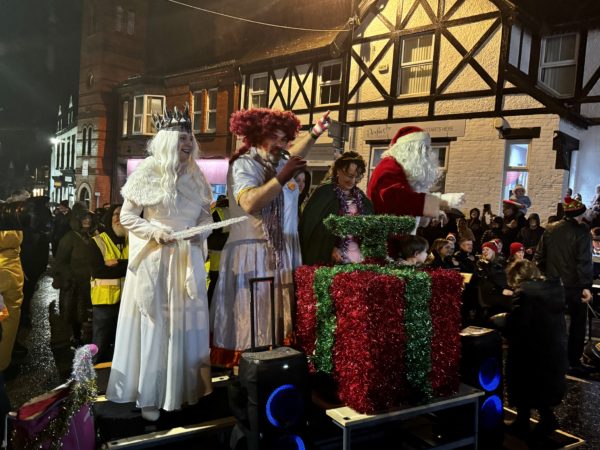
x=11 y=289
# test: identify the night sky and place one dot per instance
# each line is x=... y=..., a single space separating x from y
x=39 y=68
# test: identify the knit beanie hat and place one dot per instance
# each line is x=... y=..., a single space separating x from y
x=516 y=247
x=491 y=245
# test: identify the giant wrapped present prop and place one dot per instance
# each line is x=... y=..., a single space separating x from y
x=387 y=334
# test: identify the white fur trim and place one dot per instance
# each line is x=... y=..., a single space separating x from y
x=143 y=185
x=414 y=136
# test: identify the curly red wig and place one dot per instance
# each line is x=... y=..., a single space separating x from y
x=257 y=124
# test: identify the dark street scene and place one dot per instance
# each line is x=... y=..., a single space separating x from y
x=277 y=225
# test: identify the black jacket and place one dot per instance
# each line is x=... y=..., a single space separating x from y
x=537 y=345
x=565 y=252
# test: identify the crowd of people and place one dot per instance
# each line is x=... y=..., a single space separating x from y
x=165 y=309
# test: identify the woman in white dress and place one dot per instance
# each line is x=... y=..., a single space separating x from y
x=161 y=358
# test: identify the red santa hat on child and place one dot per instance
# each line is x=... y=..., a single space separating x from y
x=410 y=134
x=492 y=246
x=516 y=247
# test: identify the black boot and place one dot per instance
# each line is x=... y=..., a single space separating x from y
x=547 y=424
x=520 y=426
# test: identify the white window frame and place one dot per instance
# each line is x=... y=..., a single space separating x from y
x=376 y=149
x=336 y=62
x=211 y=110
x=519 y=53
x=509 y=168
x=125 y=112
x=557 y=64
x=144 y=114
x=414 y=64
x=252 y=92
x=204 y=111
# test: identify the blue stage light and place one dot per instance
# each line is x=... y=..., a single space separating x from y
x=491 y=412
x=284 y=406
x=490 y=374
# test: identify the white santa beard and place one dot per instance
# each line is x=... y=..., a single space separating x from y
x=418 y=162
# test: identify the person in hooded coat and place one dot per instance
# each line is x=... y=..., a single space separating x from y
x=72 y=275
x=537 y=361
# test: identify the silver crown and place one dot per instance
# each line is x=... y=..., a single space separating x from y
x=173 y=119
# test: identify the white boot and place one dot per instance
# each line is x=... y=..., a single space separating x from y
x=150 y=413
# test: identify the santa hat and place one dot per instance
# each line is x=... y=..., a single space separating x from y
x=516 y=247
x=410 y=134
x=573 y=207
x=451 y=237
x=491 y=245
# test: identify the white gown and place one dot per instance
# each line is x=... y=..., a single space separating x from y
x=162 y=355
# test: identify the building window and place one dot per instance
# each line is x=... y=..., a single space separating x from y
x=416 y=63
x=73 y=151
x=441 y=154
x=89 y=141
x=520 y=48
x=84 y=196
x=376 y=152
x=205 y=111
x=330 y=79
x=119 y=19
x=125 y=117
x=130 y=22
x=68 y=152
x=83 y=140
x=143 y=108
x=515 y=168
x=258 y=90
x=558 y=64
x=62 y=154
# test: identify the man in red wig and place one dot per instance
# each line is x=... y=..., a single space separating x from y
x=260 y=186
x=401 y=181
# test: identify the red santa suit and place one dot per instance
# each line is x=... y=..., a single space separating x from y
x=400 y=183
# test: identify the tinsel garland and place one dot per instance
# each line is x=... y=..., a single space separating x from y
x=372 y=231
x=417 y=321
x=444 y=307
x=306 y=311
x=370 y=340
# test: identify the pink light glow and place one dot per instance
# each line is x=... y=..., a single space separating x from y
x=215 y=170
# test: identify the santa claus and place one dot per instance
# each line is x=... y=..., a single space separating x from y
x=401 y=181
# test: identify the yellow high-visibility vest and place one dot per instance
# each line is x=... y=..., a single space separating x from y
x=214 y=256
x=108 y=291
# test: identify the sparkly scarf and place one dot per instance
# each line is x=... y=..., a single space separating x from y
x=271 y=214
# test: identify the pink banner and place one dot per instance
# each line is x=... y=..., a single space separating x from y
x=215 y=170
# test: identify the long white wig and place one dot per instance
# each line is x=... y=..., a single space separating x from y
x=418 y=161
x=164 y=148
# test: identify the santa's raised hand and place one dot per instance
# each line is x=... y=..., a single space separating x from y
x=322 y=124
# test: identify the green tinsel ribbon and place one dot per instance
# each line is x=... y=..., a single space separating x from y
x=417 y=320
x=372 y=231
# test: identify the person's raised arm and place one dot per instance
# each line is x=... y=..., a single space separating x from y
x=302 y=146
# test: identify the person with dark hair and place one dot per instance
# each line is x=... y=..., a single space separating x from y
x=72 y=274
x=465 y=256
x=440 y=255
x=61 y=224
x=564 y=252
x=412 y=250
x=261 y=187
x=304 y=179
x=493 y=231
x=340 y=197
x=513 y=222
x=530 y=235
x=108 y=267
x=536 y=362
x=490 y=280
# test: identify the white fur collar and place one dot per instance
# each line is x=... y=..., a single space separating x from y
x=143 y=185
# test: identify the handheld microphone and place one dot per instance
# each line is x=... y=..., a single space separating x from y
x=285 y=154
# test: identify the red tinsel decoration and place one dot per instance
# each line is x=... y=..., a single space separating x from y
x=306 y=310
x=445 y=305
x=369 y=340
